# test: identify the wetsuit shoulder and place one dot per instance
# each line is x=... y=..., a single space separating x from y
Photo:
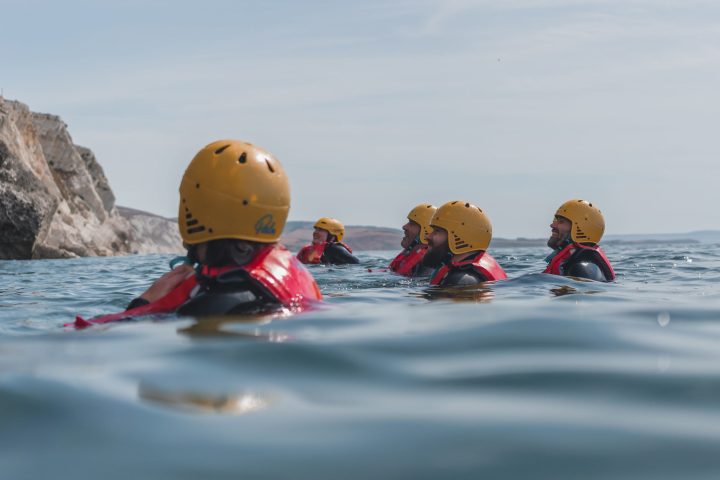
x=584 y=266
x=463 y=276
x=337 y=254
x=232 y=292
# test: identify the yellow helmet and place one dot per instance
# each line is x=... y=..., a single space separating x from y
x=588 y=224
x=468 y=227
x=422 y=214
x=332 y=225
x=233 y=189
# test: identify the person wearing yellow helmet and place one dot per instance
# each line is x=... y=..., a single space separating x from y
x=327 y=246
x=576 y=231
x=234 y=201
x=458 y=246
x=414 y=242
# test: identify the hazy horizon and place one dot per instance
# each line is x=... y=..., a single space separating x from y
x=513 y=105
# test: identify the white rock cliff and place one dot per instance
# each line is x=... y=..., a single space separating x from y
x=55 y=201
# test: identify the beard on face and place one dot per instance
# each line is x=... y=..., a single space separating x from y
x=557 y=240
x=435 y=256
x=407 y=240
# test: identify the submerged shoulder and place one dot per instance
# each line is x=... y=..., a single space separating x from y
x=464 y=276
x=586 y=268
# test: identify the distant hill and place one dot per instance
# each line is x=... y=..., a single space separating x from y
x=358 y=237
x=366 y=237
x=299 y=233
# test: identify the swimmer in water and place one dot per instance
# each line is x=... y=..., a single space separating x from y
x=327 y=246
x=577 y=229
x=460 y=237
x=415 y=243
x=234 y=201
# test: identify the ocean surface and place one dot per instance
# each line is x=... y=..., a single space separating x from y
x=536 y=377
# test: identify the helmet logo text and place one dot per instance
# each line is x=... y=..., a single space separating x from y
x=265 y=224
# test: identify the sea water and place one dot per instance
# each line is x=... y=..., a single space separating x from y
x=537 y=377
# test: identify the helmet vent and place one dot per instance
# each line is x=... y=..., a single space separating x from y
x=243 y=158
x=221 y=149
x=459 y=242
x=580 y=233
x=193 y=224
x=270 y=167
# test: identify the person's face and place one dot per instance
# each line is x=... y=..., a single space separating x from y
x=560 y=228
x=412 y=230
x=438 y=248
x=320 y=235
x=437 y=238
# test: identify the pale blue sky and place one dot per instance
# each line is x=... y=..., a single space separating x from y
x=375 y=106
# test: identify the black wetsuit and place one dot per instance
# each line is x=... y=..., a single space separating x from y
x=336 y=254
x=421 y=270
x=585 y=264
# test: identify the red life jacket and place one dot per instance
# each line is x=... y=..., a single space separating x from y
x=273 y=267
x=556 y=263
x=313 y=252
x=484 y=264
x=405 y=262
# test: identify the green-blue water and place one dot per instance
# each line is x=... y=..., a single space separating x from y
x=535 y=377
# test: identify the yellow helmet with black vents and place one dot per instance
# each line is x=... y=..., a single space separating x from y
x=588 y=224
x=332 y=225
x=468 y=228
x=233 y=189
x=422 y=214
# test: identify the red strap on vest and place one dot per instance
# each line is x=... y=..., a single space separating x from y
x=484 y=264
x=406 y=261
x=273 y=266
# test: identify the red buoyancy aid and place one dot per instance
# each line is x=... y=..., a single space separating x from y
x=405 y=262
x=556 y=263
x=484 y=264
x=273 y=267
x=313 y=252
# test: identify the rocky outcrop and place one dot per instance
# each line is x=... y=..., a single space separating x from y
x=159 y=234
x=55 y=201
